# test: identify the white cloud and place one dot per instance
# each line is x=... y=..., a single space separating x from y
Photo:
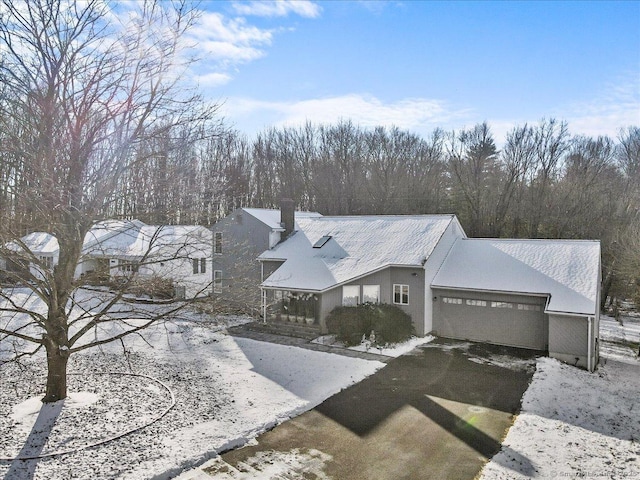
x=416 y=114
x=618 y=107
x=278 y=8
x=213 y=79
x=229 y=39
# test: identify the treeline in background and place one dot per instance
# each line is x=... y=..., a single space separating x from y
x=542 y=182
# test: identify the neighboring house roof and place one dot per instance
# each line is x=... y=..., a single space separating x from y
x=271 y=217
x=40 y=243
x=150 y=239
x=358 y=245
x=566 y=270
x=113 y=238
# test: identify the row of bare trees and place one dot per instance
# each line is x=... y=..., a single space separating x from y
x=542 y=182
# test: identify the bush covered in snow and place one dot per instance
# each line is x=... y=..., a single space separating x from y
x=350 y=324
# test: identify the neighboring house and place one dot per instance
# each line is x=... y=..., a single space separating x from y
x=536 y=294
x=45 y=254
x=181 y=253
x=238 y=239
x=115 y=249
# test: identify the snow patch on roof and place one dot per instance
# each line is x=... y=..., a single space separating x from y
x=566 y=270
x=358 y=246
x=148 y=239
x=271 y=216
x=38 y=243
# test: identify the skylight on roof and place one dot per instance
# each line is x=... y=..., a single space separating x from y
x=320 y=243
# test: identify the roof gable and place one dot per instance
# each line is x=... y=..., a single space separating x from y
x=566 y=270
x=357 y=246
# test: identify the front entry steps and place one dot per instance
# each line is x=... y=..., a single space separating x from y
x=289 y=329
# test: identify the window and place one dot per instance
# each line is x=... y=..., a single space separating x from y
x=529 y=307
x=129 y=267
x=47 y=262
x=476 y=303
x=453 y=301
x=320 y=243
x=370 y=293
x=350 y=295
x=217 y=281
x=401 y=294
x=217 y=244
x=199 y=265
x=501 y=305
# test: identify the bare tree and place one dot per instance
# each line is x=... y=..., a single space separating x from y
x=87 y=86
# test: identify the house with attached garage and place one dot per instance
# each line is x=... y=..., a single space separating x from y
x=535 y=294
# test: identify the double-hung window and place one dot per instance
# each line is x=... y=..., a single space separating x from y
x=400 y=294
x=199 y=265
x=217 y=243
x=217 y=281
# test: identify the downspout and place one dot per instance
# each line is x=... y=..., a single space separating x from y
x=590 y=323
x=263 y=295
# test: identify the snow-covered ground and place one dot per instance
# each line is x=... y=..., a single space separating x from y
x=227 y=391
x=575 y=424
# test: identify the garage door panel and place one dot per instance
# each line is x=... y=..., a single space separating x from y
x=520 y=323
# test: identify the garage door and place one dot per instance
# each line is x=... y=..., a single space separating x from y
x=516 y=321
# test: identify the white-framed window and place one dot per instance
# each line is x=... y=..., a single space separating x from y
x=217 y=281
x=217 y=243
x=501 y=305
x=199 y=265
x=400 y=294
x=128 y=267
x=371 y=294
x=529 y=307
x=475 y=303
x=452 y=300
x=350 y=295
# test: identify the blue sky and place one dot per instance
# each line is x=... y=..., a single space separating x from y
x=422 y=65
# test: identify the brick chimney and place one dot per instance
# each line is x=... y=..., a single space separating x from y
x=287 y=216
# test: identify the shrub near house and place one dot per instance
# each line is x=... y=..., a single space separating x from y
x=390 y=324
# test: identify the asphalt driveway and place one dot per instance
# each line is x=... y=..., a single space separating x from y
x=439 y=412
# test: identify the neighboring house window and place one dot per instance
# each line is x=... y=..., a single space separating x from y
x=529 y=307
x=453 y=301
x=476 y=303
x=129 y=267
x=199 y=265
x=501 y=305
x=401 y=294
x=217 y=245
x=217 y=281
x=371 y=294
x=47 y=262
x=350 y=295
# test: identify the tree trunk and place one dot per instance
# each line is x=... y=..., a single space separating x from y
x=56 y=373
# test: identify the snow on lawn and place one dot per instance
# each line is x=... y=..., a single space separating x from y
x=576 y=424
x=228 y=390
x=393 y=350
